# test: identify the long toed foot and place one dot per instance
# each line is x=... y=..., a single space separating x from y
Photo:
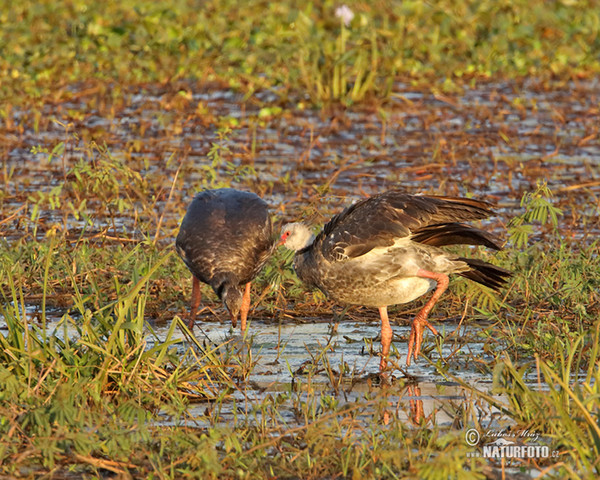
x=420 y=322
x=416 y=336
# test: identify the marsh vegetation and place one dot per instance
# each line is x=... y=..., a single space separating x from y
x=113 y=116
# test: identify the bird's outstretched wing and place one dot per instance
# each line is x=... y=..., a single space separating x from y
x=380 y=220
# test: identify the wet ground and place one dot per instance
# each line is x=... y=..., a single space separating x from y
x=340 y=359
x=495 y=141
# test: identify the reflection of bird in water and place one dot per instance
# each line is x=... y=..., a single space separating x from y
x=416 y=405
x=225 y=239
x=384 y=250
x=415 y=402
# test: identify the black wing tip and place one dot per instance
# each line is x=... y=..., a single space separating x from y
x=485 y=273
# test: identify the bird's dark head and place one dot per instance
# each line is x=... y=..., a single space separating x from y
x=232 y=299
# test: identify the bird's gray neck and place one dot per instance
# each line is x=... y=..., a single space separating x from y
x=306 y=267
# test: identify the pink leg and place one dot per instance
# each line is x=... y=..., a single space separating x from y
x=420 y=321
x=195 y=302
x=245 y=307
x=386 y=337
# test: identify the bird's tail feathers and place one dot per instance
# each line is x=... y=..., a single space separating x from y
x=485 y=273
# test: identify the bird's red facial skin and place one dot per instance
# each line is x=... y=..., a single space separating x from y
x=284 y=237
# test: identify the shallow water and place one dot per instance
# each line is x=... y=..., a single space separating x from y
x=288 y=358
x=292 y=357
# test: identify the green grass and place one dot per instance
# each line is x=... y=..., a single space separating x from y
x=287 y=47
